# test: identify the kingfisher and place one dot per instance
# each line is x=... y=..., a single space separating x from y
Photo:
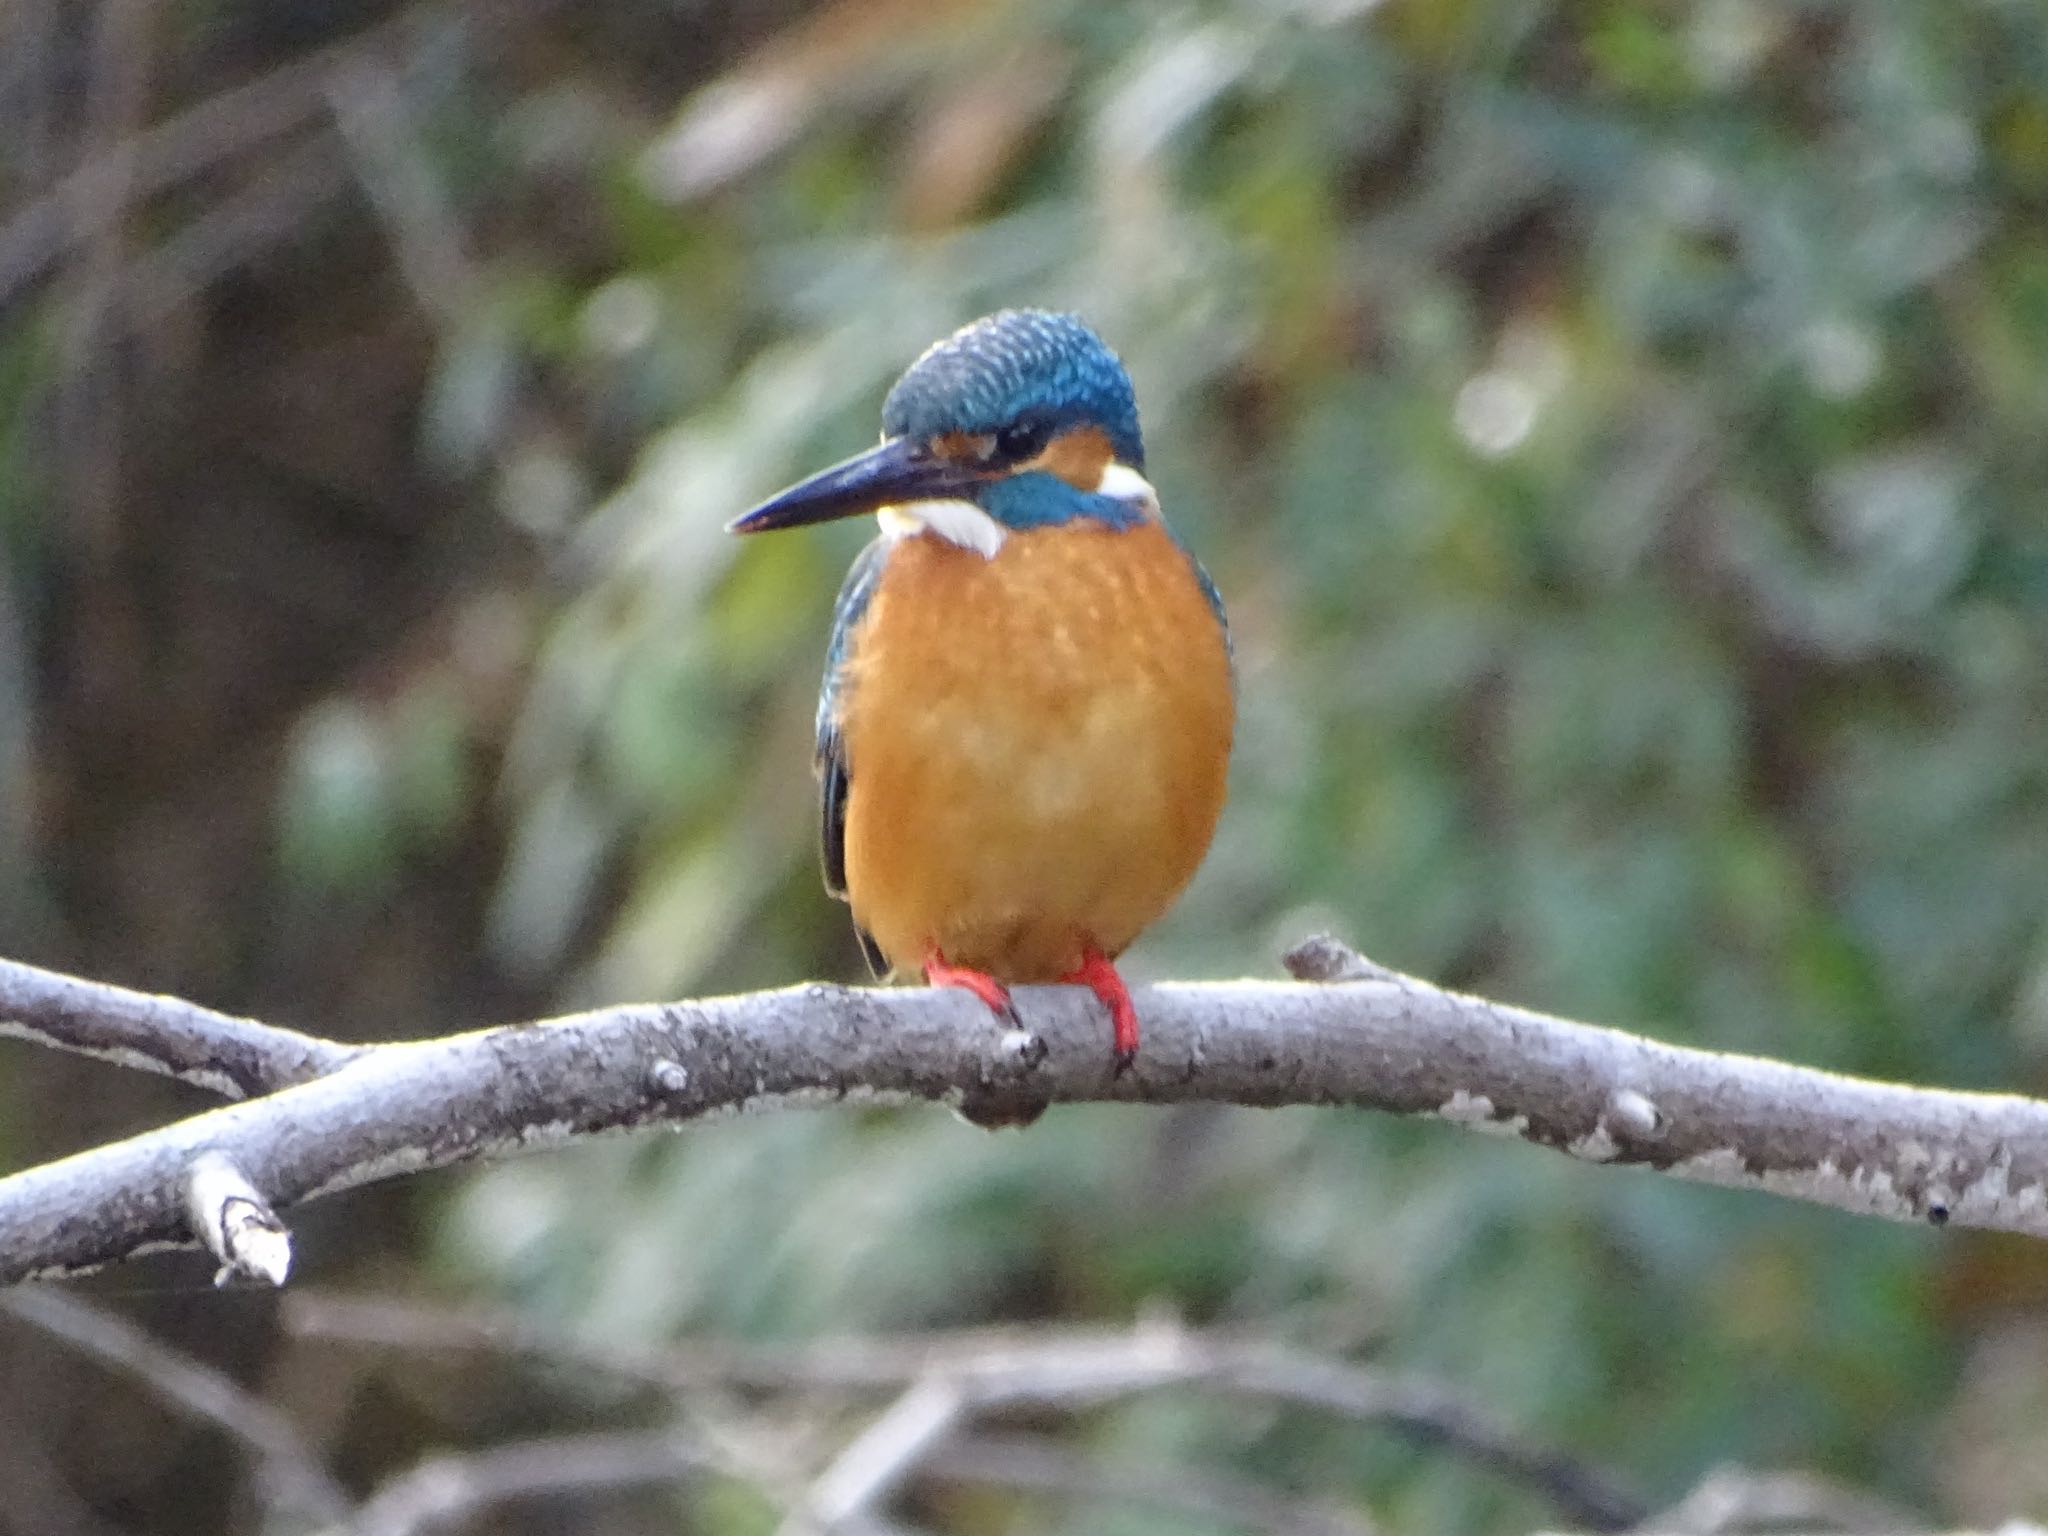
x=1023 y=737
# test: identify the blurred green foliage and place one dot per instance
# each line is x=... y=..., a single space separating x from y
x=1617 y=430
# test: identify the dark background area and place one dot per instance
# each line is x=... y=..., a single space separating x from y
x=1617 y=430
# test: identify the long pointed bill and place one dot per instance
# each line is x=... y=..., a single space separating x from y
x=895 y=472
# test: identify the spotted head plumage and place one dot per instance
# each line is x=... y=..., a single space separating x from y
x=1024 y=419
x=1022 y=377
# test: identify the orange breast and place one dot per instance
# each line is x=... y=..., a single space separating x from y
x=1037 y=746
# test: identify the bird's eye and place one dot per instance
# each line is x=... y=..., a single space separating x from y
x=1022 y=440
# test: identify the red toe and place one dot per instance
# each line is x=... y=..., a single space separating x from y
x=1100 y=977
x=993 y=994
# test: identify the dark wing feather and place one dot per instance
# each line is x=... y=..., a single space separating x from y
x=1215 y=599
x=834 y=772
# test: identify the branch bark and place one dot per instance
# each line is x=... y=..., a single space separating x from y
x=233 y=1057
x=1351 y=1033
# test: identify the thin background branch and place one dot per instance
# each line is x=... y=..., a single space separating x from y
x=928 y=1436
x=951 y=1377
x=443 y=1491
x=1034 y=1464
x=292 y=1475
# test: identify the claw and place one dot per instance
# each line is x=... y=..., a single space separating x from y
x=993 y=994
x=1100 y=977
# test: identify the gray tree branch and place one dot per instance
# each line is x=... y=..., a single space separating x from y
x=233 y=1057
x=1351 y=1033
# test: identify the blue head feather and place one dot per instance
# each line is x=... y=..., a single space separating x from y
x=1019 y=366
x=1029 y=370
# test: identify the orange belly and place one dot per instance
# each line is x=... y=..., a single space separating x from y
x=1036 y=745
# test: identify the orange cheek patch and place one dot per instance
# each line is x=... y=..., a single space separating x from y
x=1078 y=457
x=968 y=447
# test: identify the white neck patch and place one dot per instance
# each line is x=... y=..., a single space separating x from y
x=957 y=522
x=1122 y=483
x=965 y=524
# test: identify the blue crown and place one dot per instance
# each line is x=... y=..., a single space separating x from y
x=1019 y=366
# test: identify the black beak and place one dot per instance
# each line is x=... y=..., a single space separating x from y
x=897 y=471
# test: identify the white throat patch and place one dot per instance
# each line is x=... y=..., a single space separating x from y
x=965 y=524
x=957 y=522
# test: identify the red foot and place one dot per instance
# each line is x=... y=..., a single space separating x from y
x=1100 y=977
x=993 y=994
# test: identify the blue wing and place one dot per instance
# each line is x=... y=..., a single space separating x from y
x=834 y=772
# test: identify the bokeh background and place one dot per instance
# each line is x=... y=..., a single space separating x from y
x=1620 y=432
